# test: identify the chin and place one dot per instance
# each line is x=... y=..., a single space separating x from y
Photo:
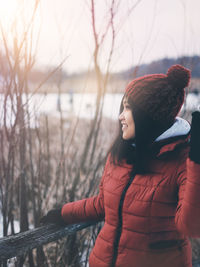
x=125 y=137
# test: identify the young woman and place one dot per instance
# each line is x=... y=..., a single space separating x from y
x=149 y=192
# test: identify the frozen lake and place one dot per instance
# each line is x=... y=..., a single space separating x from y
x=82 y=105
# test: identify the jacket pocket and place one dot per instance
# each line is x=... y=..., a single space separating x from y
x=164 y=245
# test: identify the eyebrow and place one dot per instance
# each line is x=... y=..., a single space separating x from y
x=125 y=101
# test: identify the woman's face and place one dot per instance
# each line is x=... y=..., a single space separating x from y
x=127 y=122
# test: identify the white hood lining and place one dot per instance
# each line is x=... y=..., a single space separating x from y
x=179 y=128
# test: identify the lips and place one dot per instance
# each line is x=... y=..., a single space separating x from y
x=124 y=126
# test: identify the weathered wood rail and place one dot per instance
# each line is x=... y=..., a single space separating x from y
x=21 y=243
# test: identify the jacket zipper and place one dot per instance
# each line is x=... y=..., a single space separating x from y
x=119 y=227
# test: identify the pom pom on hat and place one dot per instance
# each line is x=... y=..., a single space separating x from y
x=178 y=76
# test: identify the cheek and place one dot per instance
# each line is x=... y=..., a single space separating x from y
x=130 y=119
x=131 y=123
x=132 y=129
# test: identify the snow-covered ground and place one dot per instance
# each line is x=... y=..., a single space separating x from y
x=16 y=226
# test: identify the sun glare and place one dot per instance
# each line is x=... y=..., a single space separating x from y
x=8 y=10
x=16 y=19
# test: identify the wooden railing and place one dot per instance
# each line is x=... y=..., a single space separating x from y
x=21 y=243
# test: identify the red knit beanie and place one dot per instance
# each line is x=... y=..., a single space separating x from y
x=160 y=96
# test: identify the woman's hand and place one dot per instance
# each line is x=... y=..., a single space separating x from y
x=194 y=153
x=53 y=216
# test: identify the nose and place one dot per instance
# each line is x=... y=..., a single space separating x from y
x=121 y=116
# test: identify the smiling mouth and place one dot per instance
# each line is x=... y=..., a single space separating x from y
x=124 y=126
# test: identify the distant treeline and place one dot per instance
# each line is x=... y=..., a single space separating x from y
x=158 y=66
x=162 y=65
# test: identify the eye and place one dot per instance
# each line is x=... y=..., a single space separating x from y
x=127 y=106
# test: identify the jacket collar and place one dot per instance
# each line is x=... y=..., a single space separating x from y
x=177 y=134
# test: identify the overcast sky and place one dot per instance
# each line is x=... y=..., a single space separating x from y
x=155 y=29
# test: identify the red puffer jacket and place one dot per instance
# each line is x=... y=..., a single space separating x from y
x=148 y=218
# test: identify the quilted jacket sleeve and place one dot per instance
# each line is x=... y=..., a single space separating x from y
x=88 y=209
x=187 y=217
